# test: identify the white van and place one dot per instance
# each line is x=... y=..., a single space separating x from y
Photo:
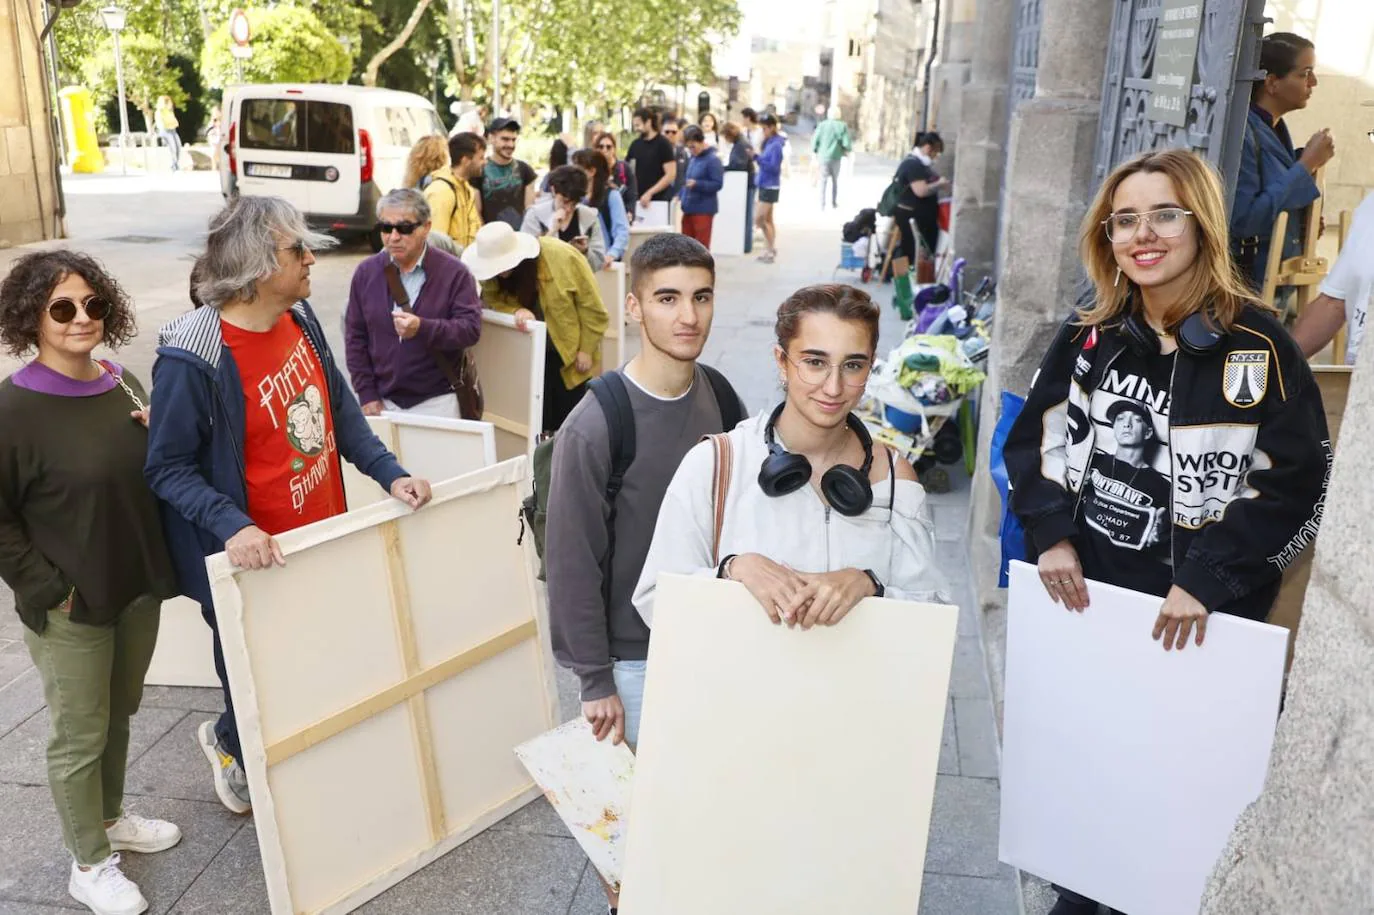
x=331 y=150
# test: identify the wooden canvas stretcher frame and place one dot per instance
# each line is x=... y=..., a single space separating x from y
x=387 y=760
x=185 y=649
x=510 y=364
x=611 y=283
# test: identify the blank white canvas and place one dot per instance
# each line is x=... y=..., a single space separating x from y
x=783 y=772
x=729 y=226
x=611 y=284
x=510 y=364
x=1124 y=767
x=185 y=652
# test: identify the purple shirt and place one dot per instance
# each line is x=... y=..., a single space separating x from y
x=38 y=377
x=404 y=371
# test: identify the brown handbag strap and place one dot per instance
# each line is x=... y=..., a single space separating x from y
x=402 y=300
x=723 y=464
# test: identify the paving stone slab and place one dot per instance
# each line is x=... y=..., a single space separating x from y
x=175 y=766
x=191 y=698
x=978 y=753
x=232 y=883
x=944 y=894
x=969 y=678
x=23 y=752
x=14 y=659
x=20 y=700
x=537 y=818
x=496 y=871
x=949 y=744
x=963 y=828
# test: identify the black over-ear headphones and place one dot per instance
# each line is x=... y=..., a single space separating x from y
x=846 y=489
x=1196 y=335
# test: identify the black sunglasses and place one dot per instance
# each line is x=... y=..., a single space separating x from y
x=63 y=310
x=405 y=228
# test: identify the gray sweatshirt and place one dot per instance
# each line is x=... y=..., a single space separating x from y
x=587 y=635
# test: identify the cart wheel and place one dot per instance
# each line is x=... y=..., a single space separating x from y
x=935 y=480
x=867 y=274
x=924 y=463
x=949 y=449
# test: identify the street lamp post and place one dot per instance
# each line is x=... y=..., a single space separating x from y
x=495 y=58
x=113 y=17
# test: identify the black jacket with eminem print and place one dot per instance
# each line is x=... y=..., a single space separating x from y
x=1248 y=448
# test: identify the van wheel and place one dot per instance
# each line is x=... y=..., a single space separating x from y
x=374 y=240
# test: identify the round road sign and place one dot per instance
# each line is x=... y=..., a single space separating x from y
x=238 y=27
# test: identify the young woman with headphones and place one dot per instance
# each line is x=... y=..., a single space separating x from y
x=814 y=518
x=1173 y=441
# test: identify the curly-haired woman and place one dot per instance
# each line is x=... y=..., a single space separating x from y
x=82 y=548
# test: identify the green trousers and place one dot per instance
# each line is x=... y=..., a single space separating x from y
x=93 y=682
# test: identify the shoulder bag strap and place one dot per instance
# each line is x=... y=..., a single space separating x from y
x=723 y=466
x=464 y=380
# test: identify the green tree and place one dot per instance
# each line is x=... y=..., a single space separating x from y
x=290 y=45
x=147 y=75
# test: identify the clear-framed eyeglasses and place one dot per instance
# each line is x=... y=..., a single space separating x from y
x=815 y=370
x=1168 y=222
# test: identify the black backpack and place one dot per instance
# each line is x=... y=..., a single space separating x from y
x=614 y=399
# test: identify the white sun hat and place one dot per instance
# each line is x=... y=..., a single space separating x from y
x=498 y=248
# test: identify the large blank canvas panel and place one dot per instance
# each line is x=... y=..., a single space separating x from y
x=785 y=772
x=428 y=447
x=611 y=283
x=185 y=652
x=382 y=680
x=510 y=363
x=1124 y=767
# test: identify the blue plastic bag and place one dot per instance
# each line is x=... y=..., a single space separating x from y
x=1012 y=535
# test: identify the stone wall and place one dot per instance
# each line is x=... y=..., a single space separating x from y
x=28 y=188
x=1307 y=844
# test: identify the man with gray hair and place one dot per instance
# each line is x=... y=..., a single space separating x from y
x=413 y=313
x=251 y=416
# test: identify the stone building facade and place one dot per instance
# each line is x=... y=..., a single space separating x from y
x=28 y=180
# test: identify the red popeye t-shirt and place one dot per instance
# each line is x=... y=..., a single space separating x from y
x=291 y=459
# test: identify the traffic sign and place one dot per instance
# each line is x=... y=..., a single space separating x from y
x=239 y=29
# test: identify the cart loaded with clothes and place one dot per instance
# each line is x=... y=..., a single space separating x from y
x=918 y=398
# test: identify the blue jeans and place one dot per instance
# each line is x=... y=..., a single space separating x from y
x=173 y=145
x=629 y=685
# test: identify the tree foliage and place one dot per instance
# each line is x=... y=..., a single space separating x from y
x=147 y=75
x=290 y=45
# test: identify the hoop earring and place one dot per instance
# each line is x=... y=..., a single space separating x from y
x=1117 y=281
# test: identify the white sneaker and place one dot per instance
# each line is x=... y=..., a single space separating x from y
x=105 y=890
x=132 y=832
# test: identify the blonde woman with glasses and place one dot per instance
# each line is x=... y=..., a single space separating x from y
x=1173 y=442
x=817 y=516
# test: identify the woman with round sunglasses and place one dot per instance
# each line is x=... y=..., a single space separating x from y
x=81 y=546
x=622 y=176
x=816 y=516
x=1173 y=442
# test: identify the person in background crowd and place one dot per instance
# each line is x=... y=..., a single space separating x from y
x=753 y=130
x=165 y=120
x=919 y=203
x=427 y=156
x=403 y=358
x=808 y=550
x=596 y=542
x=769 y=161
x=672 y=132
x=454 y=203
x=558 y=157
x=1170 y=367
x=564 y=216
x=82 y=548
x=737 y=156
x=1273 y=176
x=1346 y=293
x=623 y=179
x=234 y=468
x=654 y=162
x=214 y=136
x=544 y=279
x=470 y=121
x=705 y=176
x=831 y=143
x=710 y=128
x=615 y=227
x=507 y=184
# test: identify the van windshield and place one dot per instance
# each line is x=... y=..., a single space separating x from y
x=292 y=125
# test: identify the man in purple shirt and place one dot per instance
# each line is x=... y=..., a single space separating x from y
x=396 y=350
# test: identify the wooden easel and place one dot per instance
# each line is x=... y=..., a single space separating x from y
x=1304 y=271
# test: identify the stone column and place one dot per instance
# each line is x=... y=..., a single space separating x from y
x=950 y=75
x=28 y=181
x=1306 y=844
x=1049 y=180
x=982 y=140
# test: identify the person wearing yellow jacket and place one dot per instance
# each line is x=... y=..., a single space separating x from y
x=165 y=120
x=544 y=279
x=453 y=201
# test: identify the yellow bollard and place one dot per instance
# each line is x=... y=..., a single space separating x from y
x=78 y=124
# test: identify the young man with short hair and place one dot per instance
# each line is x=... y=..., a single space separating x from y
x=451 y=197
x=507 y=184
x=597 y=537
x=655 y=166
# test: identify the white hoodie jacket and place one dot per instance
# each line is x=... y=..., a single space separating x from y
x=798 y=530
